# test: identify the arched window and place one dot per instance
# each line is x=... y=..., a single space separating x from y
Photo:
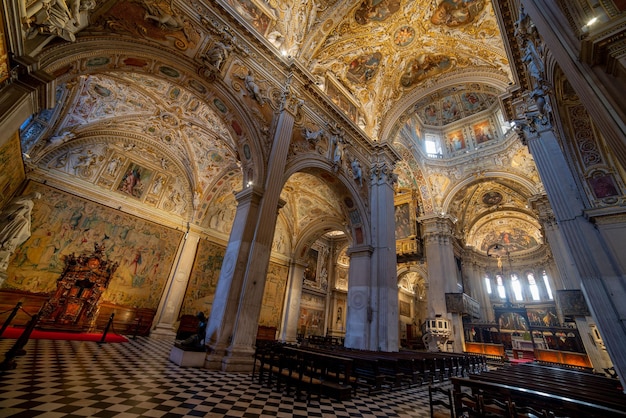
x=500 y=285
x=517 y=287
x=488 y=285
x=546 y=282
x=432 y=146
x=532 y=284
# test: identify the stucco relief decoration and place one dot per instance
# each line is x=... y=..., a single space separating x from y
x=63 y=18
x=99 y=97
x=82 y=161
x=454 y=13
x=152 y=19
x=403 y=36
x=250 y=85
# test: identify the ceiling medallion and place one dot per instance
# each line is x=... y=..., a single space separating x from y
x=403 y=36
x=492 y=198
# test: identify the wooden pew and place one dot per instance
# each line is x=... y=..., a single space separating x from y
x=562 y=382
x=555 y=404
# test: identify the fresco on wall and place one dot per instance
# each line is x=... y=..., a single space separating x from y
x=377 y=11
x=4 y=56
x=603 y=186
x=425 y=65
x=203 y=278
x=514 y=239
x=134 y=181
x=363 y=68
x=310 y=272
x=274 y=295
x=454 y=13
x=483 y=132
x=12 y=173
x=542 y=317
x=403 y=221
x=63 y=224
x=450 y=111
x=252 y=13
x=456 y=141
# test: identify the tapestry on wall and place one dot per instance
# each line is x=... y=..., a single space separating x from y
x=12 y=173
x=203 y=279
x=273 y=295
x=203 y=282
x=63 y=224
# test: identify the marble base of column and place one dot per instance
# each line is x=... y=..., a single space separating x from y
x=230 y=360
x=241 y=360
x=163 y=331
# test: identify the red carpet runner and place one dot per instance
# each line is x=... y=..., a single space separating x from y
x=12 y=332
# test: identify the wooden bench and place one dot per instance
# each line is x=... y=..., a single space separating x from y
x=597 y=394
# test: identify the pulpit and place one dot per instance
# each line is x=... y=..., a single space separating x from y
x=75 y=303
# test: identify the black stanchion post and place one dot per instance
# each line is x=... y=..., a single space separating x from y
x=18 y=348
x=106 y=329
x=10 y=318
x=137 y=328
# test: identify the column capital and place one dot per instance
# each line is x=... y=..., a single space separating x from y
x=360 y=251
x=249 y=194
x=381 y=172
x=541 y=205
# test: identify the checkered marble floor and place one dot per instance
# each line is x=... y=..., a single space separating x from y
x=136 y=379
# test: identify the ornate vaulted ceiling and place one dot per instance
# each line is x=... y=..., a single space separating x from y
x=437 y=64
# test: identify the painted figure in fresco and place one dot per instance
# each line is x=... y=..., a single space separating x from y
x=456 y=12
x=15 y=225
x=130 y=181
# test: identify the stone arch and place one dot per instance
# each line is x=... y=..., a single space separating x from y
x=346 y=187
x=390 y=125
x=67 y=61
x=495 y=175
x=106 y=169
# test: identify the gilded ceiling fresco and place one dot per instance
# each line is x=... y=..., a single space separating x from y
x=175 y=147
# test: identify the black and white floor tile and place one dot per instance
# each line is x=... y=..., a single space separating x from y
x=136 y=379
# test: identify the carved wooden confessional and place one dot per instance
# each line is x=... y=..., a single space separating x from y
x=75 y=304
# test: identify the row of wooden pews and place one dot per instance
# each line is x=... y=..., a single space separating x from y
x=340 y=372
x=550 y=391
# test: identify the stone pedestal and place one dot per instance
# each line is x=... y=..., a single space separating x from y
x=187 y=358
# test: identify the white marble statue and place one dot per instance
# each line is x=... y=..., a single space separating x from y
x=15 y=226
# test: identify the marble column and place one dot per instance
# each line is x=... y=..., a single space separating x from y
x=232 y=337
x=384 y=281
x=568 y=277
x=442 y=271
x=360 y=312
x=226 y=301
x=601 y=278
x=172 y=300
x=289 y=327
